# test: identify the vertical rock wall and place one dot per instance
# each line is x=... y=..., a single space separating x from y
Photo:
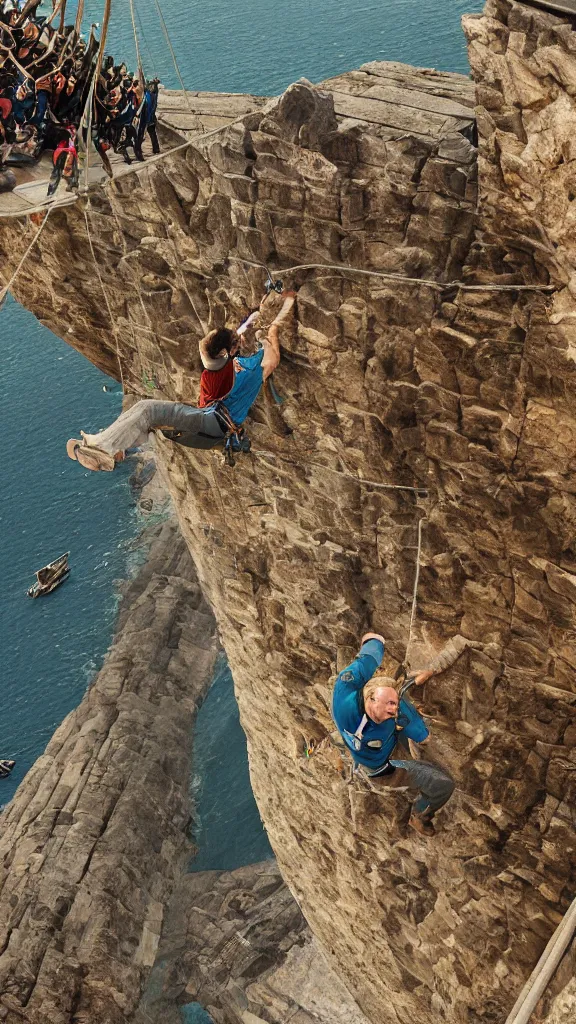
x=468 y=394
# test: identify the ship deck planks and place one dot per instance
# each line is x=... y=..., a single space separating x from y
x=386 y=98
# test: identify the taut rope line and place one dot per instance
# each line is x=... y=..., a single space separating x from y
x=105 y=294
x=4 y=291
x=545 y=969
x=171 y=48
x=439 y=286
x=337 y=472
x=415 y=590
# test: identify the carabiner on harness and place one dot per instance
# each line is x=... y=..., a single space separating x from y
x=236 y=441
x=274 y=286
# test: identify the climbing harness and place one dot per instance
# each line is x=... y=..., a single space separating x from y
x=236 y=439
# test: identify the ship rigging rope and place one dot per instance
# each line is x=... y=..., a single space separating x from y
x=4 y=291
x=105 y=294
x=79 y=15
x=171 y=48
x=136 y=43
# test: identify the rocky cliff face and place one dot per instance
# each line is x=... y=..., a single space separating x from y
x=237 y=943
x=95 y=840
x=468 y=394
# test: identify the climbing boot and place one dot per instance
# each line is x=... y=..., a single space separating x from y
x=421 y=824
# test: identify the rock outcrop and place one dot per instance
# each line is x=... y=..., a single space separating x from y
x=96 y=838
x=236 y=942
x=468 y=394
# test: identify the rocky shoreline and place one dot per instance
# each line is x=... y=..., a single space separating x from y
x=96 y=838
x=236 y=943
x=95 y=846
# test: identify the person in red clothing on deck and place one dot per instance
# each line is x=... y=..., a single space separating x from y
x=217 y=351
x=65 y=161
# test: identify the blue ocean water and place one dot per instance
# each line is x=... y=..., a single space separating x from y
x=52 y=647
x=228 y=829
x=193 y=1013
x=261 y=47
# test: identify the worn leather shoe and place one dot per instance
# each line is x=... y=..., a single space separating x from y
x=422 y=825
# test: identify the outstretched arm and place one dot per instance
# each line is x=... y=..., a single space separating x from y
x=271 y=344
x=355 y=676
x=422 y=677
x=368 y=659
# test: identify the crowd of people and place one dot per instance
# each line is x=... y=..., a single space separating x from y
x=46 y=76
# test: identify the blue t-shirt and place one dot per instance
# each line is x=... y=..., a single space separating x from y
x=247 y=384
x=348 y=710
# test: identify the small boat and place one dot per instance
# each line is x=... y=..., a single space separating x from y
x=50 y=577
x=5 y=768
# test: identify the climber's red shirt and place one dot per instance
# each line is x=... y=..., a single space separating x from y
x=215 y=384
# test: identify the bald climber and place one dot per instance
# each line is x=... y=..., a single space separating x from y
x=371 y=721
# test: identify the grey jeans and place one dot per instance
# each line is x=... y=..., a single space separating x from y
x=434 y=784
x=195 y=428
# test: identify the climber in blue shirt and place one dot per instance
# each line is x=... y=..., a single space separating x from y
x=373 y=721
x=205 y=427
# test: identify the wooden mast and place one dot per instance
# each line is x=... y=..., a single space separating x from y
x=78 y=22
x=103 y=34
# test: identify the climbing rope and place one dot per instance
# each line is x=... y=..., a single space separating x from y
x=398 y=278
x=180 y=272
x=4 y=291
x=136 y=42
x=184 y=145
x=135 y=328
x=105 y=294
x=79 y=16
x=150 y=60
x=545 y=969
x=415 y=590
x=88 y=109
x=171 y=48
x=349 y=476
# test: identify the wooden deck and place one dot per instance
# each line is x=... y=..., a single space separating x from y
x=386 y=98
x=195 y=113
x=389 y=99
